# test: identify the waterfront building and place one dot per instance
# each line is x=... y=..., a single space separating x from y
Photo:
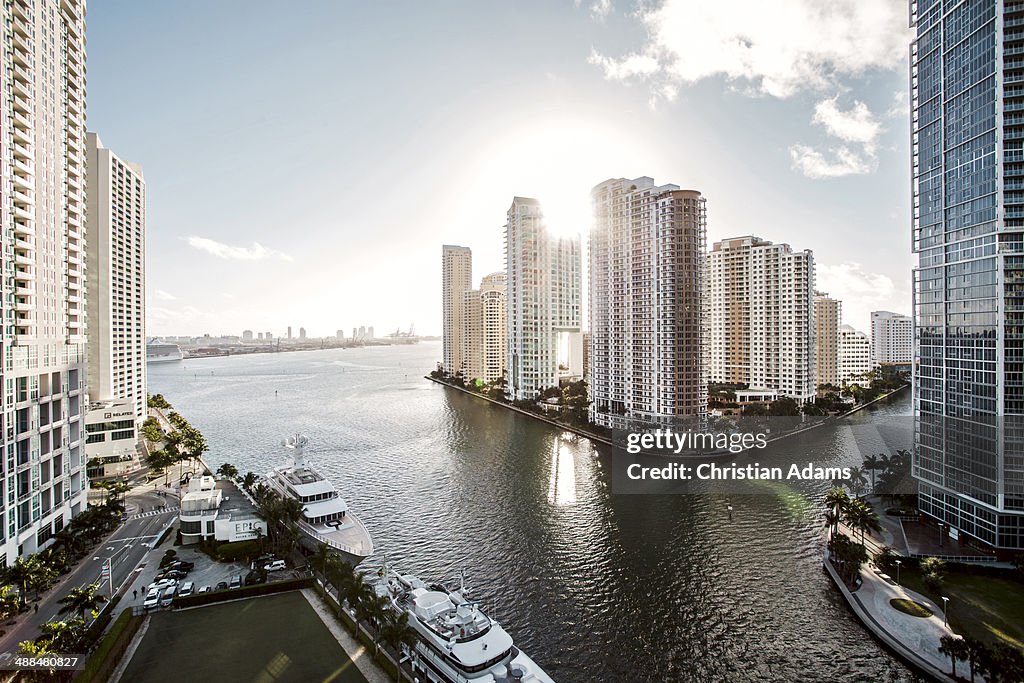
x=42 y=217
x=761 y=330
x=289 y=331
x=828 y=316
x=369 y=332
x=216 y=510
x=302 y=333
x=111 y=432
x=968 y=232
x=484 y=330
x=340 y=334
x=247 y=335
x=269 y=336
x=544 y=289
x=892 y=338
x=648 y=339
x=854 y=355
x=456 y=280
x=115 y=221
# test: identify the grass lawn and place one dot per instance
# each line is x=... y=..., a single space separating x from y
x=914 y=609
x=988 y=608
x=275 y=638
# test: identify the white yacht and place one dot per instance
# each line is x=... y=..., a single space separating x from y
x=325 y=514
x=158 y=351
x=456 y=642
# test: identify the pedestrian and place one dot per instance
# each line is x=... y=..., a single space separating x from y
x=35 y=607
x=135 y=594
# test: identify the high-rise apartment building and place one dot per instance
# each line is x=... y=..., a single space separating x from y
x=484 y=330
x=247 y=335
x=116 y=278
x=854 y=354
x=828 y=316
x=456 y=280
x=892 y=338
x=543 y=297
x=760 y=299
x=967 y=92
x=647 y=332
x=42 y=218
x=302 y=333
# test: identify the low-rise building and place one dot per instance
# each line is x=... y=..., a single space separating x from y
x=110 y=438
x=216 y=509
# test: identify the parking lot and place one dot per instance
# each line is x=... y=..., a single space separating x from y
x=207 y=572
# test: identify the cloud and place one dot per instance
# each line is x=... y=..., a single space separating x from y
x=862 y=291
x=256 y=252
x=161 y=295
x=600 y=9
x=859 y=130
x=777 y=47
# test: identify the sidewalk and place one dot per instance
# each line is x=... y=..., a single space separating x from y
x=353 y=648
x=915 y=639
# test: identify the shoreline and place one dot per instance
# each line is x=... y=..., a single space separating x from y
x=227 y=353
x=608 y=442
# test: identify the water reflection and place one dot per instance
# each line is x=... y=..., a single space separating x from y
x=562 y=487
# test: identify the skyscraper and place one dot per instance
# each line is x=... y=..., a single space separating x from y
x=647 y=332
x=544 y=287
x=456 y=279
x=967 y=92
x=760 y=299
x=828 y=316
x=484 y=329
x=247 y=335
x=892 y=338
x=302 y=333
x=116 y=278
x=43 y=213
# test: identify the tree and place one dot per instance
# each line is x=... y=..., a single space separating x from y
x=228 y=471
x=81 y=600
x=158 y=401
x=871 y=464
x=857 y=481
x=953 y=647
x=933 y=571
x=396 y=633
x=836 y=500
x=23 y=574
x=860 y=516
x=248 y=481
x=977 y=656
x=64 y=636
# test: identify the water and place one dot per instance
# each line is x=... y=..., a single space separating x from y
x=594 y=586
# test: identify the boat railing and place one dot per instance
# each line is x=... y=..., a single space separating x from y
x=329 y=542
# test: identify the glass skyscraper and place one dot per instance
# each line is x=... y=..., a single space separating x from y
x=967 y=109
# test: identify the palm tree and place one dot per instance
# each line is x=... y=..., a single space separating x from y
x=871 y=464
x=249 y=480
x=860 y=516
x=228 y=471
x=856 y=481
x=836 y=500
x=23 y=574
x=953 y=647
x=64 y=636
x=374 y=608
x=9 y=602
x=81 y=600
x=321 y=559
x=395 y=632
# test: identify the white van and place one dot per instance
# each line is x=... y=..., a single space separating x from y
x=152 y=599
x=187 y=590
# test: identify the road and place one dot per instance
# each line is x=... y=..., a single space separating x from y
x=127 y=547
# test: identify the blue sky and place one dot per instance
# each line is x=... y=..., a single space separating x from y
x=305 y=163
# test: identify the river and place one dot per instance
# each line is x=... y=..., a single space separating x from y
x=594 y=586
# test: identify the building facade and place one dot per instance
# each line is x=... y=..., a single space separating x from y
x=828 y=316
x=854 y=355
x=111 y=432
x=42 y=218
x=760 y=299
x=892 y=338
x=967 y=92
x=116 y=278
x=544 y=298
x=456 y=280
x=647 y=333
x=484 y=329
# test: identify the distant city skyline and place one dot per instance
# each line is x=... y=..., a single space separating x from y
x=809 y=147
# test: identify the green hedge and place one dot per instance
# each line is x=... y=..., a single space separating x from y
x=106 y=657
x=199 y=599
x=230 y=552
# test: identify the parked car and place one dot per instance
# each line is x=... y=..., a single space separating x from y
x=161 y=584
x=236 y=582
x=171 y=574
x=152 y=599
x=167 y=596
x=223 y=585
x=182 y=566
x=275 y=566
x=264 y=559
x=205 y=589
x=187 y=590
x=255 y=576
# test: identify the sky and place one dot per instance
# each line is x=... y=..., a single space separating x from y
x=305 y=162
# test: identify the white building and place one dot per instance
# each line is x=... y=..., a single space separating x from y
x=116 y=277
x=854 y=354
x=647 y=332
x=761 y=313
x=42 y=216
x=828 y=316
x=111 y=432
x=484 y=331
x=892 y=338
x=247 y=335
x=217 y=510
x=543 y=298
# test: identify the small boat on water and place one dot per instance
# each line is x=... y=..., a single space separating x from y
x=326 y=517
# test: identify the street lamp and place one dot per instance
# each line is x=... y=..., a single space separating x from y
x=945 y=610
x=898 y=563
x=940 y=533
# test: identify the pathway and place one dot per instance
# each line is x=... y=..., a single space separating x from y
x=355 y=650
